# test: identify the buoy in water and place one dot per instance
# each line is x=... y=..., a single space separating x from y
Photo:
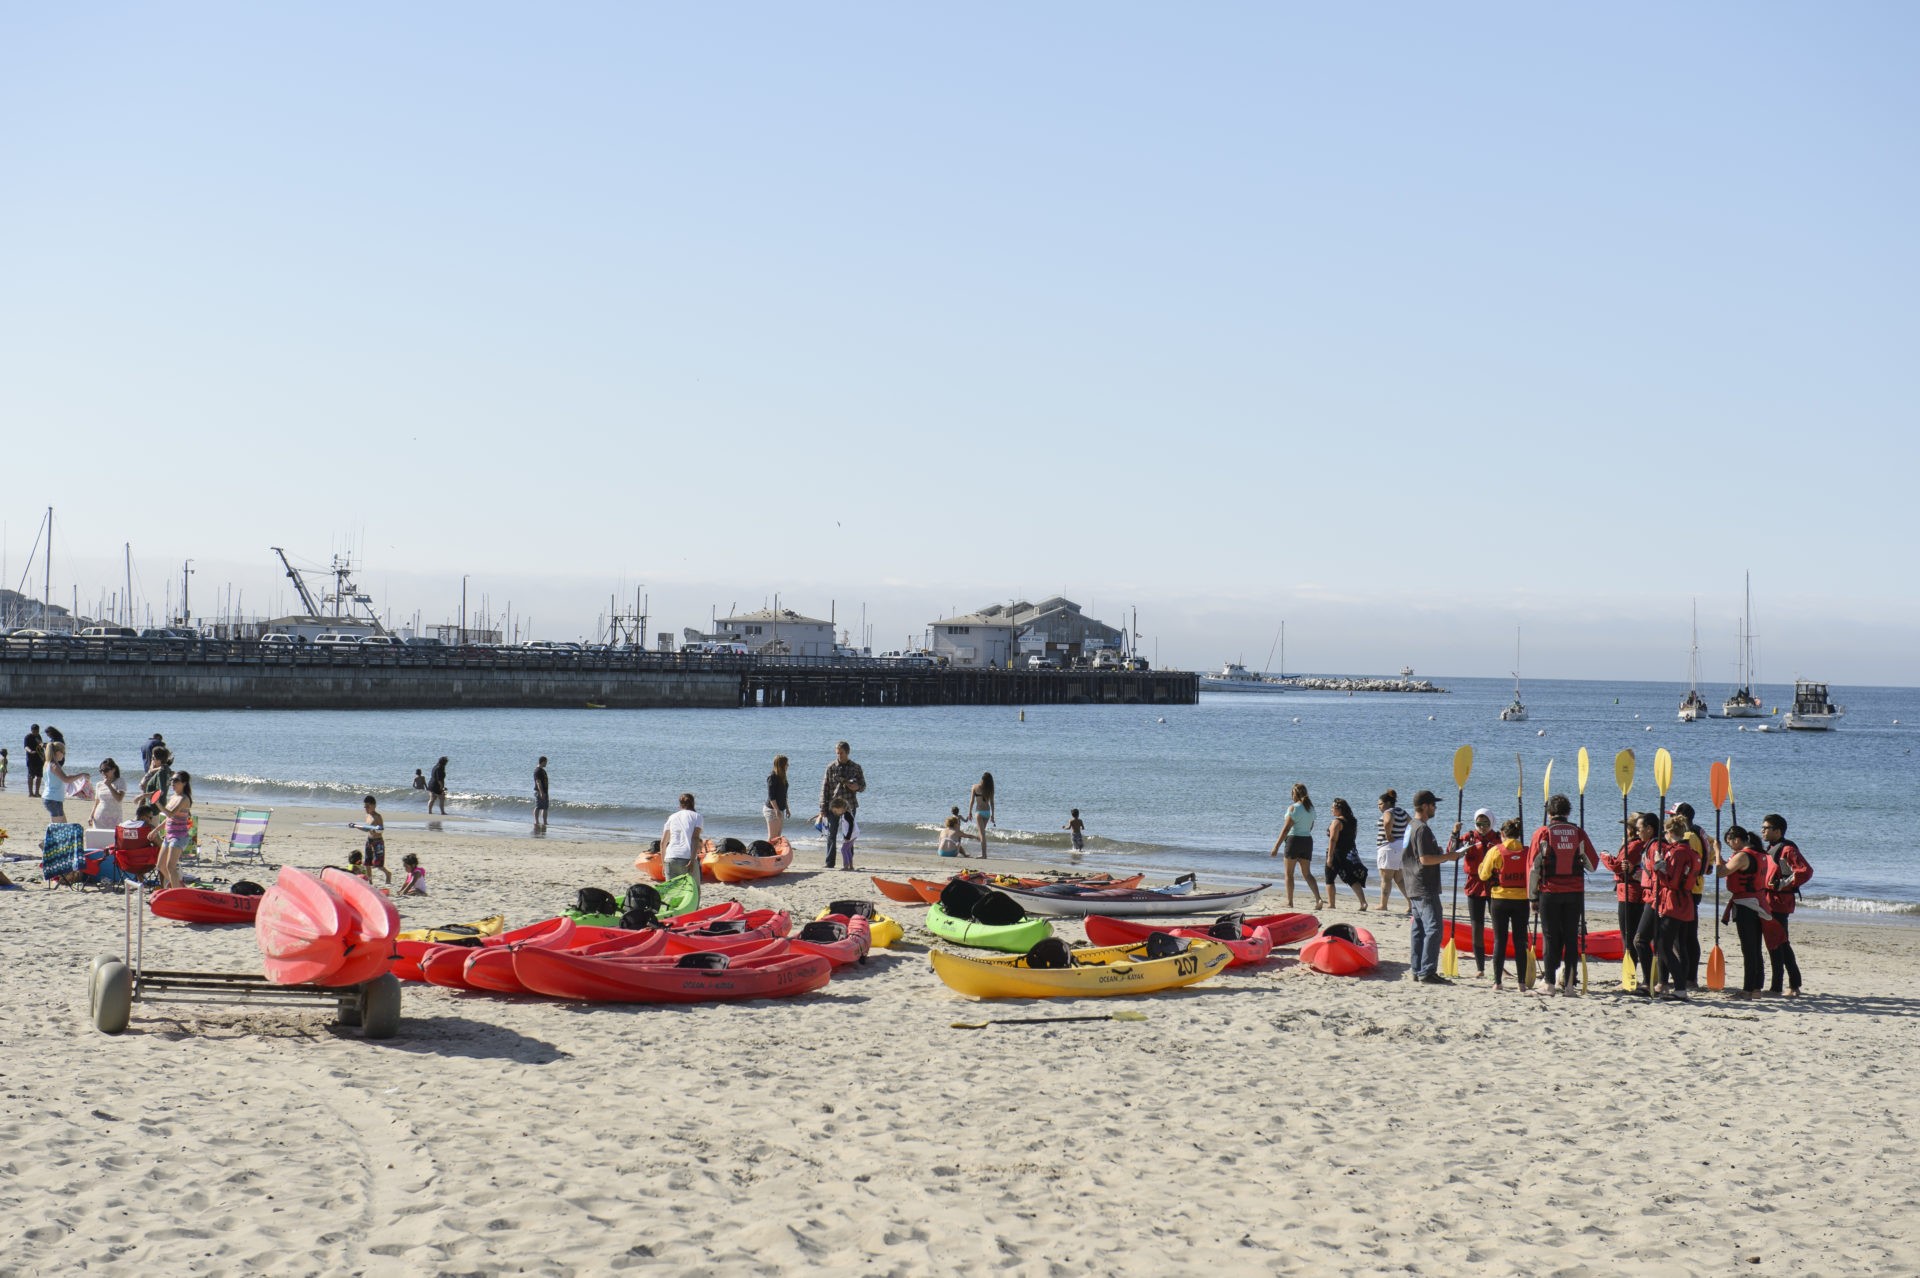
x=1430 y=719
x=1161 y=719
x=1541 y=733
x=1649 y=727
x=1023 y=716
x=1296 y=718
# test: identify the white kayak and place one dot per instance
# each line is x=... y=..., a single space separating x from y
x=1180 y=898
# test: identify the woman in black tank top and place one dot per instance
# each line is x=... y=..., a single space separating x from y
x=1342 y=851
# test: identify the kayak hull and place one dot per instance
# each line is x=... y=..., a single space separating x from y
x=743 y=867
x=1606 y=946
x=301 y=928
x=193 y=905
x=614 y=980
x=904 y=893
x=1337 y=956
x=1131 y=903
x=1249 y=948
x=1099 y=973
x=1014 y=938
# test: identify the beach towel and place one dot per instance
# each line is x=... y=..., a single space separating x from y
x=81 y=788
x=63 y=850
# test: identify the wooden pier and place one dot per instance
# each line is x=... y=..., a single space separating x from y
x=867 y=685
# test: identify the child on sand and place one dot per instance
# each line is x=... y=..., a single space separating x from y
x=414 y=883
x=376 y=828
x=1076 y=831
x=952 y=837
x=844 y=810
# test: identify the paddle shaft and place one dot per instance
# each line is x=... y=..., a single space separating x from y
x=1716 y=879
x=1459 y=814
x=1583 y=895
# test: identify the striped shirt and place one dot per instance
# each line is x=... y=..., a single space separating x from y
x=1393 y=826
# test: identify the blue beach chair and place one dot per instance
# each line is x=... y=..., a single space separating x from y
x=248 y=837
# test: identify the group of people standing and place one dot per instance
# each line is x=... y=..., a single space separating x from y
x=1514 y=885
x=164 y=800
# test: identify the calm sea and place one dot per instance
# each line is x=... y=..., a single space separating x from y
x=1187 y=787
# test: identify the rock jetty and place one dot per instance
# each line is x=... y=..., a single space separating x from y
x=1350 y=684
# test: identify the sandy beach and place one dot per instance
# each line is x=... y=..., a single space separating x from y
x=1275 y=1121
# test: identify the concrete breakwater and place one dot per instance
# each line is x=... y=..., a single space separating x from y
x=212 y=675
x=1312 y=684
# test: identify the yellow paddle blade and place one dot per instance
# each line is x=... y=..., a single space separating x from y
x=1629 y=974
x=1662 y=771
x=1716 y=970
x=1449 y=959
x=1546 y=782
x=1462 y=766
x=1520 y=791
x=1719 y=784
x=1623 y=772
x=1729 y=779
x=1129 y=1016
x=1584 y=764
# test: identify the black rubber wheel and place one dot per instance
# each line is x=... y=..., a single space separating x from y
x=349 y=1010
x=111 y=996
x=380 y=1006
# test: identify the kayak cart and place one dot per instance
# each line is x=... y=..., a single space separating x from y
x=116 y=982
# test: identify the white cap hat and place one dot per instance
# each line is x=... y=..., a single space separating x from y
x=1482 y=812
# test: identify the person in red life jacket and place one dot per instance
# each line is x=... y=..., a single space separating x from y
x=1625 y=864
x=1674 y=868
x=1790 y=872
x=1504 y=870
x=1747 y=871
x=1706 y=852
x=1561 y=854
x=1645 y=941
x=1474 y=846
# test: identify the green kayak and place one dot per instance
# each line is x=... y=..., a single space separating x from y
x=1014 y=938
x=678 y=895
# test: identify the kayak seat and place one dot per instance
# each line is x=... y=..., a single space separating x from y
x=997 y=909
x=959 y=897
x=761 y=848
x=724 y=927
x=824 y=931
x=1228 y=927
x=711 y=960
x=640 y=896
x=1341 y=932
x=852 y=909
x=732 y=845
x=1050 y=954
x=1165 y=945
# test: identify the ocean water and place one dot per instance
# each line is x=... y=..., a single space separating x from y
x=1177 y=788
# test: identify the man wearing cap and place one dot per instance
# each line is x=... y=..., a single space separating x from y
x=1420 y=867
x=1474 y=846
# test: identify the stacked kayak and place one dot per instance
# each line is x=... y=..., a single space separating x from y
x=1179 y=898
x=839 y=938
x=760 y=860
x=333 y=930
x=1053 y=971
x=773 y=971
x=1250 y=940
x=489 y=926
x=1600 y=945
x=197 y=905
x=674 y=898
x=904 y=893
x=1342 y=950
x=882 y=930
x=969 y=914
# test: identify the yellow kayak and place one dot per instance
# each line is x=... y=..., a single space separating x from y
x=456 y=931
x=885 y=930
x=1095 y=973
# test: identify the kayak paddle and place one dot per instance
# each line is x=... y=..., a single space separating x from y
x=1523 y=944
x=1583 y=878
x=1662 y=781
x=1049 y=1020
x=1623 y=777
x=1462 y=769
x=1719 y=782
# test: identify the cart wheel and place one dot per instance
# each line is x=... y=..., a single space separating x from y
x=99 y=961
x=380 y=1006
x=111 y=996
x=349 y=1010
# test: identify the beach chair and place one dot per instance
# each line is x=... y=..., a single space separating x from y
x=248 y=837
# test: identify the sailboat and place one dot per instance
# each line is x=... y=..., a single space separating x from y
x=1517 y=712
x=1693 y=706
x=1743 y=704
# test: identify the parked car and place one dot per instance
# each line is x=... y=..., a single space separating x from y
x=109 y=632
x=902 y=657
x=716 y=648
x=41 y=638
x=423 y=641
x=1106 y=659
x=553 y=645
x=280 y=639
x=379 y=641
x=168 y=634
x=335 y=639
x=1137 y=663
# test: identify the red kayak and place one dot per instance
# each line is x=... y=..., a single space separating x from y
x=1248 y=942
x=1342 y=949
x=447 y=964
x=491 y=966
x=195 y=905
x=371 y=924
x=838 y=938
x=1600 y=945
x=1286 y=929
x=693 y=978
x=301 y=928
x=727 y=934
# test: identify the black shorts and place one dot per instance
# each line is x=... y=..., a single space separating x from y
x=1300 y=847
x=376 y=855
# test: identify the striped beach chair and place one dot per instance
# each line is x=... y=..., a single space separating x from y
x=248 y=837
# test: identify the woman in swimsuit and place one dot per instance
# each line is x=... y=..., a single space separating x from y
x=179 y=829
x=980 y=808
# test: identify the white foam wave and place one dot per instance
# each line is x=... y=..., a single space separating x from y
x=1858 y=905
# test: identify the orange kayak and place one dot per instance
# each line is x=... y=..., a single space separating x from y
x=745 y=867
x=905 y=893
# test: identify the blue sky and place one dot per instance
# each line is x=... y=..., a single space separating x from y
x=1406 y=323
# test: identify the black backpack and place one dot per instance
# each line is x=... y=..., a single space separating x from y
x=959 y=897
x=247 y=887
x=997 y=909
x=1228 y=927
x=593 y=900
x=1049 y=953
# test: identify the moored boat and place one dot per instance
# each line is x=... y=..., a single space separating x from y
x=1813 y=710
x=1234 y=677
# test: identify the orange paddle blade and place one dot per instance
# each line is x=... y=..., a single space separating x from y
x=1716 y=970
x=1719 y=784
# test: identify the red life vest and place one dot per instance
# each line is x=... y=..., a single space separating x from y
x=1513 y=866
x=1786 y=877
x=1674 y=897
x=1477 y=845
x=1752 y=881
x=1627 y=879
x=1564 y=845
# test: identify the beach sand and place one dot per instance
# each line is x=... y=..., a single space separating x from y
x=1272 y=1121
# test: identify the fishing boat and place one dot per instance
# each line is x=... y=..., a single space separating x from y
x=1406 y=672
x=1693 y=706
x=1813 y=710
x=1517 y=712
x=1234 y=677
x=1743 y=704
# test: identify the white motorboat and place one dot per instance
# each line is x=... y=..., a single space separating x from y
x=1813 y=710
x=1517 y=712
x=1234 y=677
x=1406 y=672
x=1743 y=704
